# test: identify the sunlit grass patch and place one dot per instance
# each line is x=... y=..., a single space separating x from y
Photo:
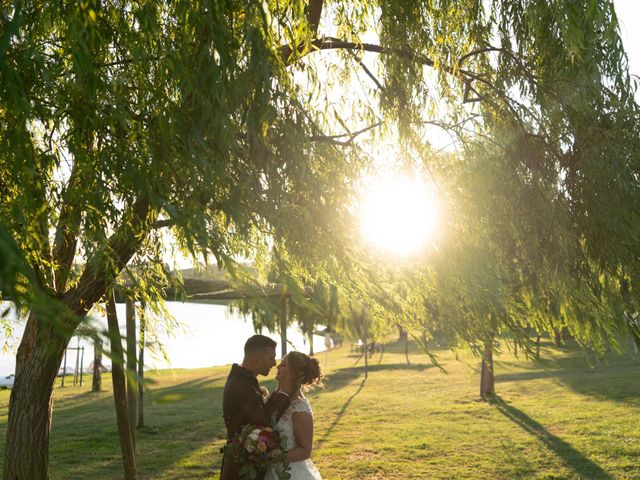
x=562 y=419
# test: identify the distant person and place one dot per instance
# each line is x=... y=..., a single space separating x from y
x=296 y=423
x=328 y=340
x=242 y=401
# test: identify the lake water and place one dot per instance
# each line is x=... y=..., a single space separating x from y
x=209 y=336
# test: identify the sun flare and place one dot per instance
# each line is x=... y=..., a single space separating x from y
x=399 y=214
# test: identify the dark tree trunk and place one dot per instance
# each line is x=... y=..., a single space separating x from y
x=558 y=337
x=132 y=368
x=487 y=379
x=404 y=336
x=96 y=385
x=311 y=352
x=141 y=370
x=120 y=391
x=406 y=349
x=402 y=333
x=30 y=405
x=43 y=344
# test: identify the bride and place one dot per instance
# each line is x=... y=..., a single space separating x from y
x=297 y=420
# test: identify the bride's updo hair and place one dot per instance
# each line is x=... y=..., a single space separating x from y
x=305 y=368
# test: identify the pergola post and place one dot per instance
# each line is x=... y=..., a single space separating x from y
x=284 y=307
x=366 y=347
x=143 y=320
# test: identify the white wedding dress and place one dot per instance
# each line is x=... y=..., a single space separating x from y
x=304 y=469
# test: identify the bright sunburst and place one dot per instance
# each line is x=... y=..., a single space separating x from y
x=399 y=214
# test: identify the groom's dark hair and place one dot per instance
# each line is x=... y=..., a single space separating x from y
x=257 y=342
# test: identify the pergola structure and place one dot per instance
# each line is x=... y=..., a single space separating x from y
x=127 y=387
x=272 y=291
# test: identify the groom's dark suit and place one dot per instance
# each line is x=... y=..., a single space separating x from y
x=242 y=404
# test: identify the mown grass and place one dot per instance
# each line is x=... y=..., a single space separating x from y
x=559 y=419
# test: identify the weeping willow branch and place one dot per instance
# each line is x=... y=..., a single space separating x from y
x=351 y=135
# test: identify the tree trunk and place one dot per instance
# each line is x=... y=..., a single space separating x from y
x=311 y=352
x=406 y=348
x=132 y=368
x=556 y=338
x=141 y=369
x=96 y=385
x=30 y=405
x=43 y=344
x=120 y=391
x=402 y=333
x=487 y=379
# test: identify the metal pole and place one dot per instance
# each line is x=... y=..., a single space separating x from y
x=81 y=364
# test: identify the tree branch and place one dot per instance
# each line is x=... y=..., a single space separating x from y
x=65 y=241
x=478 y=52
x=314 y=12
x=367 y=71
x=468 y=88
x=168 y=222
x=334 y=138
x=331 y=43
x=106 y=264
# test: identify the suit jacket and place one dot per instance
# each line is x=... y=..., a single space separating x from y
x=242 y=404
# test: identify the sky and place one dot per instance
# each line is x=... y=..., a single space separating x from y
x=628 y=12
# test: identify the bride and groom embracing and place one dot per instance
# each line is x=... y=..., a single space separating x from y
x=246 y=404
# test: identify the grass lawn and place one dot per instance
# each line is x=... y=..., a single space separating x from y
x=560 y=419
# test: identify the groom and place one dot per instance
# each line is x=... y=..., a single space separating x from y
x=242 y=401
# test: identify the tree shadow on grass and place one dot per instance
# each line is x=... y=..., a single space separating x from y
x=617 y=379
x=575 y=460
x=342 y=411
x=179 y=420
x=345 y=376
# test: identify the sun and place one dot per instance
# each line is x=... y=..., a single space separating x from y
x=399 y=214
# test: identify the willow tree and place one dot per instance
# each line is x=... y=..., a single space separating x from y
x=118 y=119
x=225 y=122
x=517 y=260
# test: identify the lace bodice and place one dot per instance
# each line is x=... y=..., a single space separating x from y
x=285 y=424
x=304 y=469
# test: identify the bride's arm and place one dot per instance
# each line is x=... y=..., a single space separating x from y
x=303 y=431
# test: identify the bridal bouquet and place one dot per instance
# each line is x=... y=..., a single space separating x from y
x=258 y=448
